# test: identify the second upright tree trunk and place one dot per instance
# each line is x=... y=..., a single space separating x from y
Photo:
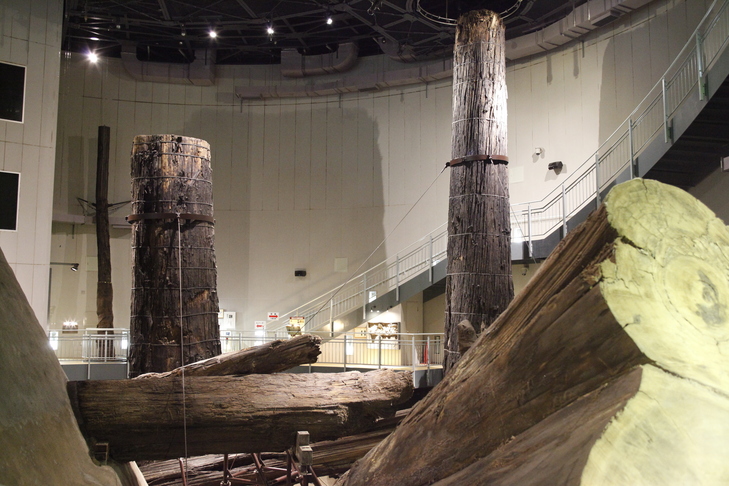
x=174 y=290
x=478 y=283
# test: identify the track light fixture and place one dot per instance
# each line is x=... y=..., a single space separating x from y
x=74 y=266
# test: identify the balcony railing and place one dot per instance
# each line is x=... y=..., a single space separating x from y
x=349 y=350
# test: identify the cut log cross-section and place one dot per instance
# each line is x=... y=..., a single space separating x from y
x=143 y=418
x=611 y=367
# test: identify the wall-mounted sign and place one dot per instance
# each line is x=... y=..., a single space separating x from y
x=260 y=325
x=272 y=316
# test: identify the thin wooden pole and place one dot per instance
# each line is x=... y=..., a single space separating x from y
x=478 y=283
x=104 y=290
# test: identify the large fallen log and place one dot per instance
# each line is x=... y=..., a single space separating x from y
x=145 y=419
x=611 y=367
x=266 y=358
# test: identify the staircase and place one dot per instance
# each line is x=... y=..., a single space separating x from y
x=675 y=135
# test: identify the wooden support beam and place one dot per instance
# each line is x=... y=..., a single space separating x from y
x=610 y=367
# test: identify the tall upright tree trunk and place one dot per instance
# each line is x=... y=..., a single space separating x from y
x=478 y=283
x=104 y=290
x=174 y=289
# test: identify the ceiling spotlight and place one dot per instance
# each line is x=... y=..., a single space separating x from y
x=93 y=57
x=269 y=29
x=74 y=267
x=213 y=34
x=94 y=38
x=330 y=20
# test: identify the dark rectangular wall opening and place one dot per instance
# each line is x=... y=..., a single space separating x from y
x=12 y=91
x=9 y=186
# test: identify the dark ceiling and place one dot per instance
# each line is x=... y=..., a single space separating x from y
x=171 y=30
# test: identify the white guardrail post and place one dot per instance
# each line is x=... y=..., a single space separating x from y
x=344 y=353
x=666 y=129
x=597 y=180
x=379 y=352
x=364 y=296
x=414 y=353
x=700 y=66
x=564 y=212
x=529 y=230
x=397 y=278
x=331 y=317
x=430 y=259
x=633 y=168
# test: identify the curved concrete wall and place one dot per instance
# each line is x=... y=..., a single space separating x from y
x=304 y=183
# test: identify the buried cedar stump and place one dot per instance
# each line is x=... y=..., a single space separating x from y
x=610 y=367
x=174 y=278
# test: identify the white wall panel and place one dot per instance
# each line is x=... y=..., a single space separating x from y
x=28 y=36
x=287 y=157
x=334 y=133
x=315 y=125
x=302 y=155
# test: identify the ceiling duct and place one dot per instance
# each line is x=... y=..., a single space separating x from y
x=295 y=65
x=588 y=16
x=200 y=72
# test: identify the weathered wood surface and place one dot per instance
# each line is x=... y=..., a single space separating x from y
x=104 y=289
x=273 y=357
x=330 y=458
x=143 y=419
x=610 y=367
x=478 y=282
x=172 y=256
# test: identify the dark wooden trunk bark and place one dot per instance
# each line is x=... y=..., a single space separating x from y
x=104 y=289
x=603 y=366
x=330 y=458
x=143 y=419
x=272 y=357
x=174 y=291
x=478 y=283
